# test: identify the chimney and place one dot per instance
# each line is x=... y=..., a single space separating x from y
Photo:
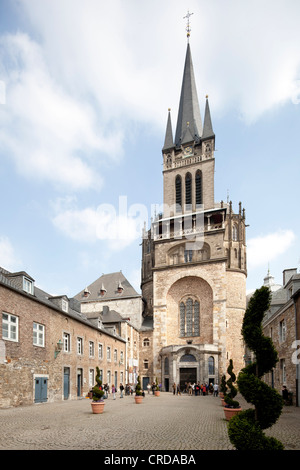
x=105 y=309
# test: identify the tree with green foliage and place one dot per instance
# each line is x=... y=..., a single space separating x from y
x=97 y=390
x=229 y=396
x=246 y=429
x=138 y=389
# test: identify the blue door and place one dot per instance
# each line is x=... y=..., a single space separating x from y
x=66 y=382
x=41 y=385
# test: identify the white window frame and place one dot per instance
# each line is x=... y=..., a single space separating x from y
x=67 y=342
x=12 y=322
x=121 y=357
x=100 y=351
x=91 y=377
x=65 y=305
x=108 y=353
x=79 y=345
x=27 y=285
x=38 y=334
x=115 y=355
x=282 y=331
x=91 y=349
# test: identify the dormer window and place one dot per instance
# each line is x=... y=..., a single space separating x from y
x=120 y=288
x=65 y=305
x=27 y=285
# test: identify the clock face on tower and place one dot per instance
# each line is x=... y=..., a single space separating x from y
x=188 y=151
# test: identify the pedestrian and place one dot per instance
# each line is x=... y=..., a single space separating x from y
x=216 y=390
x=174 y=388
x=153 y=387
x=121 y=390
x=113 y=391
x=148 y=388
x=178 y=390
x=204 y=390
x=285 y=394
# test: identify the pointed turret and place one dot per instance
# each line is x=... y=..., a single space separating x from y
x=207 y=126
x=189 y=123
x=169 y=142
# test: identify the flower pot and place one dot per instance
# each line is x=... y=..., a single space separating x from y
x=97 y=407
x=223 y=403
x=138 y=399
x=221 y=394
x=230 y=412
x=156 y=393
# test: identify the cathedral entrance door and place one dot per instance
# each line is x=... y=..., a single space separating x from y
x=187 y=374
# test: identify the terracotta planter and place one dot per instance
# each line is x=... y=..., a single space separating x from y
x=221 y=395
x=138 y=399
x=97 y=407
x=156 y=393
x=230 y=412
x=223 y=403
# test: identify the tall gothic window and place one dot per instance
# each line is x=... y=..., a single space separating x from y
x=178 y=193
x=188 y=191
x=189 y=318
x=198 y=181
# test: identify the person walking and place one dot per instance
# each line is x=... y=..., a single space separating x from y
x=216 y=390
x=178 y=390
x=121 y=390
x=174 y=388
x=113 y=391
x=148 y=388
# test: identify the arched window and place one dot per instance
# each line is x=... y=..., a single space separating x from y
x=198 y=184
x=178 y=193
x=189 y=318
x=211 y=366
x=234 y=233
x=146 y=342
x=188 y=358
x=188 y=191
x=166 y=366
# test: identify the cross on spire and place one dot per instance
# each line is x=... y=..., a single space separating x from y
x=188 y=27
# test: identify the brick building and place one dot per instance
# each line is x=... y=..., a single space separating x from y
x=282 y=325
x=49 y=350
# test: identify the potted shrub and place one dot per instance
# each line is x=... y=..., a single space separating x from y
x=97 y=397
x=246 y=431
x=232 y=407
x=156 y=391
x=138 y=392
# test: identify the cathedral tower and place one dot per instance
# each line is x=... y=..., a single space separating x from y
x=194 y=258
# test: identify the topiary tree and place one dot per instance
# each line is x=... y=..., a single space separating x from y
x=138 y=389
x=246 y=430
x=97 y=389
x=229 y=396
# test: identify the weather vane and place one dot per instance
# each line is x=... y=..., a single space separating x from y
x=188 y=27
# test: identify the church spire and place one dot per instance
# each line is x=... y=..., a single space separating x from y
x=189 y=123
x=169 y=143
x=207 y=126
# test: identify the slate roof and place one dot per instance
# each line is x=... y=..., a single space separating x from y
x=189 y=123
x=110 y=282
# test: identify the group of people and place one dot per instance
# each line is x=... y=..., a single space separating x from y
x=196 y=389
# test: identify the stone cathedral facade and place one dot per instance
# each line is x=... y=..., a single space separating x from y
x=193 y=259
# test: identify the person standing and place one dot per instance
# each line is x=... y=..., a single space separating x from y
x=148 y=388
x=216 y=390
x=178 y=390
x=121 y=390
x=174 y=388
x=113 y=391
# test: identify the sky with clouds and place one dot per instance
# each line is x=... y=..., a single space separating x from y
x=85 y=88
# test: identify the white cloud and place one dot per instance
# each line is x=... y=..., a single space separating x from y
x=263 y=249
x=8 y=258
x=114 y=226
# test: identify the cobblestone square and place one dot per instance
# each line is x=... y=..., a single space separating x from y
x=167 y=422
